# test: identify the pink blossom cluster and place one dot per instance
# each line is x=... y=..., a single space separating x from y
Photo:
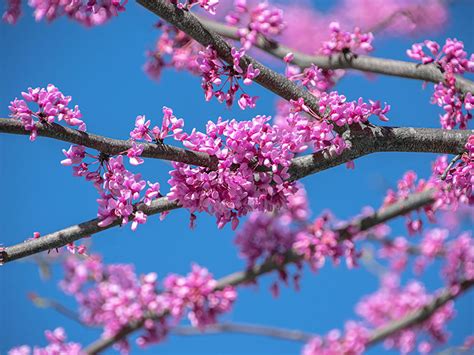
x=57 y=345
x=86 y=12
x=254 y=21
x=199 y=295
x=334 y=343
x=459 y=259
x=317 y=80
x=208 y=5
x=277 y=235
x=13 y=12
x=271 y=235
x=451 y=59
x=387 y=17
x=393 y=302
x=453 y=191
x=313 y=78
x=174 y=49
x=171 y=126
x=120 y=190
x=113 y=296
x=52 y=105
x=214 y=69
x=338 y=110
x=236 y=187
x=345 y=42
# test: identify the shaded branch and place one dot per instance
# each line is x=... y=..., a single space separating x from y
x=252 y=329
x=243 y=277
x=378 y=335
x=368 y=64
x=363 y=140
x=419 y=315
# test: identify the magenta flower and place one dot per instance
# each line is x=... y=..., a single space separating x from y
x=52 y=104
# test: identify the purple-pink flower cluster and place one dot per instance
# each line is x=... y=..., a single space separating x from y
x=86 y=12
x=352 y=342
x=57 y=345
x=452 y=191
x=113 y=296
x=171 y=126
x=451 y=59
x=13 y=12
x=392 y=302
x=214 y=70
x=119 y=189
x=275 y=236
x=52 y=105
x=208 y=5
x=254 y=21
x=174 y=49
x=236 y=187
x=198 y=295
x=345 y=42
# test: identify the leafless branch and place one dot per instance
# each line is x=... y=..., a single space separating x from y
x=368 y=64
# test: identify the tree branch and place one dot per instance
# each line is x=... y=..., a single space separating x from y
x=109 y=145
x=368 y=64
x=68 y=235
x=365 y=141
x=378 y=335
x=253 y=329
x=189 y=24
x=243 y=277
x=419 y=315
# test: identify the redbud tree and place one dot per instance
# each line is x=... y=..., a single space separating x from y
x=301 y=105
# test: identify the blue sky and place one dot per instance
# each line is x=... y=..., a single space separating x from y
x=101 y=69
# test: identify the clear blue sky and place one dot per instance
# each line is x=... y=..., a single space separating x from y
x=101 y=69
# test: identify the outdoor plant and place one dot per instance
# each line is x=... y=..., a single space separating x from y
x=245 y=173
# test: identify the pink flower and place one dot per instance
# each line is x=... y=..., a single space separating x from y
x=134 y=154
x=74 y=155
x=52 y=104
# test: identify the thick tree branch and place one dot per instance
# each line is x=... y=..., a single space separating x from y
x=362 y=63
x=108 y=145
x=364 y=141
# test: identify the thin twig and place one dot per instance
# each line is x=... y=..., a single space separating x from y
x=243 y=328
x=450 y=165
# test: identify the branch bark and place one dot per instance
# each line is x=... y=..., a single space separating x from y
x=364 y=141
x=368 y=64
x=109 y=145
